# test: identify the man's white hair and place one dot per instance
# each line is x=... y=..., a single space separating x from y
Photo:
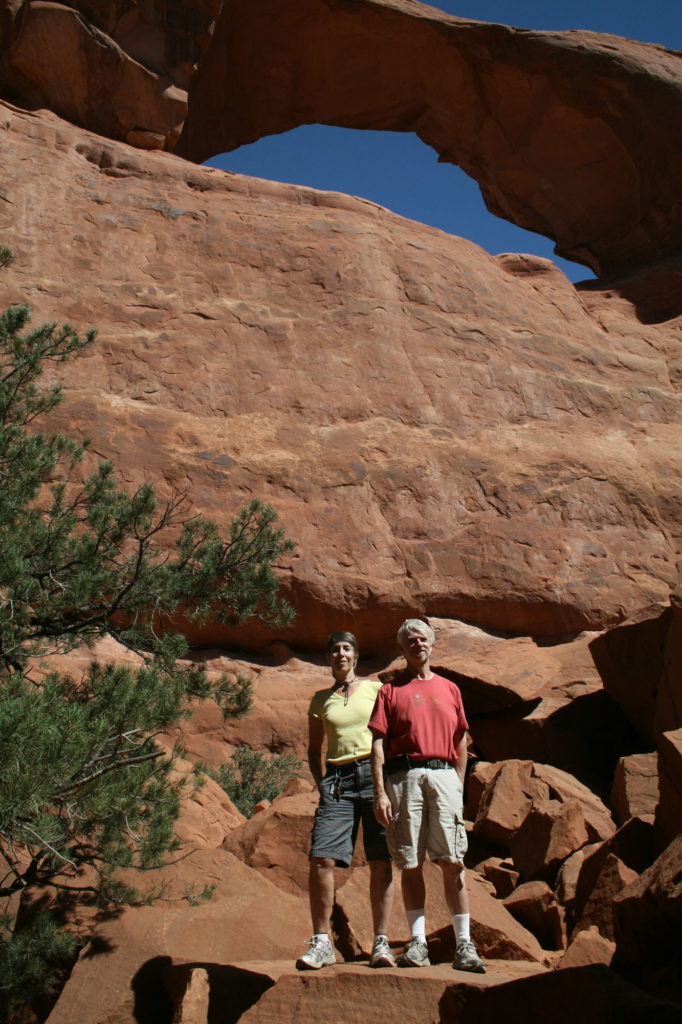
x=415 y=626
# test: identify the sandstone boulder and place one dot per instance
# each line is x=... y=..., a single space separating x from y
x=648 y=925
x=535 y=906
x=566 y=885
x=492 y=672
x=517 y=786
x=507 y=800
x=669 y=810
x=556 y=708
x=616 y=861
x=583 y=734
x=480 y=773
x=551 y=832
x=632 y=662
x=590 y=994
x=587 y=947
x=352 y=994
x=276 y=841
x=597 y=909
x=501 y=873
x=598 y=820
x=278 y=719
x=208 y=816
x=635 y=787
x=632 y=843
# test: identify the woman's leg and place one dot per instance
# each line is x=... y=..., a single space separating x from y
x=381 y=894
x=321 y=893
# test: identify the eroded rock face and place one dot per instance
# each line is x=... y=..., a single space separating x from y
x=121 y=69
x=441 y=432
x=648 y=914
x=147 y=939
x=567 y=133
x=591 y=994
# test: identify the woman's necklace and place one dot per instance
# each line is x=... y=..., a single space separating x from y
x=345 y=687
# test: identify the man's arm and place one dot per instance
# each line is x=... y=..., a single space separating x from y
x=461 y=751
x=315 y=741
x=383 y=811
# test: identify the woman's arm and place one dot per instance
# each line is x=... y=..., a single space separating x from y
x=315 y=742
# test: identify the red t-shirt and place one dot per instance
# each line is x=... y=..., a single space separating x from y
x=422 y=718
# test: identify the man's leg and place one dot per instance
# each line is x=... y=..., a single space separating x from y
x=454 y=888
x=447 y=845
x=406 y=835
x=414 y=898
x=457 y=899
x=413 y=889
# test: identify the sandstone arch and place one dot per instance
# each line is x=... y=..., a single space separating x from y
x=567 y=133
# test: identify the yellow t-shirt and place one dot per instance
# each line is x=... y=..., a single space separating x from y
x=345 y=722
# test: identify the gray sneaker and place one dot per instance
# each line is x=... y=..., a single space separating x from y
x=320 y=954
x=381 y=953
x=416 y=955
x=467 y=959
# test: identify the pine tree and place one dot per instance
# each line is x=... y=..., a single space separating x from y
x=84 y=789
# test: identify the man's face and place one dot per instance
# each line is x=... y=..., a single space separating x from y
x=417 y=649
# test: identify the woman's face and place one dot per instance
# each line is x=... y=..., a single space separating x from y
x=342 y=658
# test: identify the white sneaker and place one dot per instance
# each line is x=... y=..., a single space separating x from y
x=467 y=959
x=320 y=954
x=381 y=953
x=416 y=955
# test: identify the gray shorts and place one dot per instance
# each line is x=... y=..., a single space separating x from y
x=346 y=799
x=427 y=816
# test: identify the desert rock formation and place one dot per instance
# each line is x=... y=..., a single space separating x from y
x=557 y=128
x=443 y=432
x=567 y=133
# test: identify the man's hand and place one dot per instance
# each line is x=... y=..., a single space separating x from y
x=383 y=811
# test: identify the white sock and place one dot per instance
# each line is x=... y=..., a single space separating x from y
x=460 y=922
x=415 y=919
x=322 y=935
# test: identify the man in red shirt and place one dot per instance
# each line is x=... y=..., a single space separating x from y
x=418 y=759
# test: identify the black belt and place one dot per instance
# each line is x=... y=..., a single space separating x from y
x=331 y=766
x=404 y=763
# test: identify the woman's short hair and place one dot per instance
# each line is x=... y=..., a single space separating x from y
x=415 y=626
x=341 y=637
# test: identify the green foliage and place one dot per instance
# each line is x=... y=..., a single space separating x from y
x=26 y=958
x=84 y=789
x=251 y=777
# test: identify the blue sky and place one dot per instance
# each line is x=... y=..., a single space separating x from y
x=400 y=172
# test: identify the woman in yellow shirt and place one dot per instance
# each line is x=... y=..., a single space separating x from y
x=339 y=716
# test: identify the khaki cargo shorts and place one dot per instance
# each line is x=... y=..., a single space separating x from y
x=427 y=816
